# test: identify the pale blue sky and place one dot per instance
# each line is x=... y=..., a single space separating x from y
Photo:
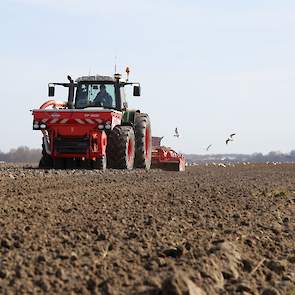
x=208 y=67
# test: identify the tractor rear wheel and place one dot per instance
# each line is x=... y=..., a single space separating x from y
x=46 y=162
x=121 y=148
x=143 y=139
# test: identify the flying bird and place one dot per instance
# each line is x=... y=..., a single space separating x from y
x=230 y=138
x=208 y=147
x=176 y=133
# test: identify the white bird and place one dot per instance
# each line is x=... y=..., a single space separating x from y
x=230 y=138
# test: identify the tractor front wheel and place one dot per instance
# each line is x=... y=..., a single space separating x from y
x=121 y=148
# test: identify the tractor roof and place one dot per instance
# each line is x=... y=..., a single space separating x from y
x=96 y=78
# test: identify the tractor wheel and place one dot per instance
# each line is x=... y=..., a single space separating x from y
x=46 y=161
x=143 y=141
x=100 y=164
x=121 y=148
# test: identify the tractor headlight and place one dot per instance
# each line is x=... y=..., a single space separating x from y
x=43 y=126
x=36 y=125
x=100 y=126
x=107 y=126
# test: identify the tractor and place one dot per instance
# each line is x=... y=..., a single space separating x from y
x=95 y=128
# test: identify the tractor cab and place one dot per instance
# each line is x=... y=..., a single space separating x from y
x=103 y=92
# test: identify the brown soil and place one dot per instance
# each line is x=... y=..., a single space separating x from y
x=209 y=230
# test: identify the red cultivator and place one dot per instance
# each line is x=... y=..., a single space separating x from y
x=165 y=158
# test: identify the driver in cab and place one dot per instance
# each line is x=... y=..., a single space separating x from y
x=103 y=98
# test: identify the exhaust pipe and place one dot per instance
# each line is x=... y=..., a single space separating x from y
x=71 y=93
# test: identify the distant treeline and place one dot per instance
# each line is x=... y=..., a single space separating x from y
x=25 y=154
x=253 y=158
x=22 y=154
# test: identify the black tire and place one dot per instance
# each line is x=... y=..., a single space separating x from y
x=121 y=148
x=100 y=164
x=143 y=141
x=46 y=161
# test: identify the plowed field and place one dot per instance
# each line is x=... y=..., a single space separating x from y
x=209 y=230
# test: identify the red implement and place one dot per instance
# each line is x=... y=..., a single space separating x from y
x=165 y=158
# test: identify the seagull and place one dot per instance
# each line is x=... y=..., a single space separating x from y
x=208 y=147
x=230 y=138
x=176 y=134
